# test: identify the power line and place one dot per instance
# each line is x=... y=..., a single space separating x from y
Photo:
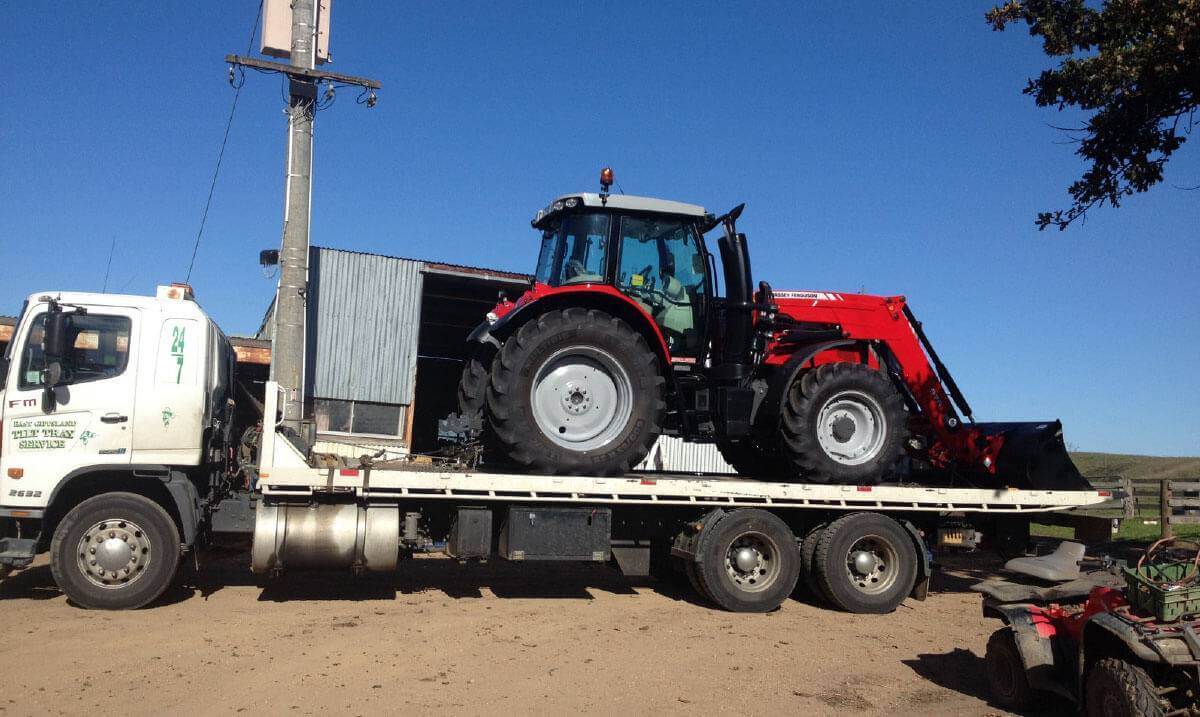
x=237 y=92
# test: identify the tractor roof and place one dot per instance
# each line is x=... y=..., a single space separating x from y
x=621 y=201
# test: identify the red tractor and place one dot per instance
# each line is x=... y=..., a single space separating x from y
x=622 y=337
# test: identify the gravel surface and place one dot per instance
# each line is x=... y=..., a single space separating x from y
x=440 y=637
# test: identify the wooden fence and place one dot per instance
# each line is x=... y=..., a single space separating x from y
x=1176 y=501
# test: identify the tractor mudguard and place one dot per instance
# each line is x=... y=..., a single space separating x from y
x=767 y=411
x=1034 y=633
x=482 y=334
x=1034 y=456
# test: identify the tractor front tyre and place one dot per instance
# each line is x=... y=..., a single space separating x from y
x=575 y=392
x=1116 y=688
x=843 y=423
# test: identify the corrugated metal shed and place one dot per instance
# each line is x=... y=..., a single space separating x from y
x=363 y=319
x=675 y=455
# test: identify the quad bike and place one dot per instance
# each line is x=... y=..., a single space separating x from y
x=1113 y=650
x=622 y=337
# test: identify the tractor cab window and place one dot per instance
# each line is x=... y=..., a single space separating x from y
x=574 y=250
x=662 y=268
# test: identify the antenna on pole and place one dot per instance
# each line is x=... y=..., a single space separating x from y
x=112 y=247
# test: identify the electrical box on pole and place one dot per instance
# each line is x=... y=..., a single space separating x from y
x=277 y=29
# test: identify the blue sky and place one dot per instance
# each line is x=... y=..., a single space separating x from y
x=885 y=148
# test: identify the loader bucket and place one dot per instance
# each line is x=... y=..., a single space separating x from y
x=1034 y=456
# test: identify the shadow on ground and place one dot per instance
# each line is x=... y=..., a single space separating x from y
x=963 y=671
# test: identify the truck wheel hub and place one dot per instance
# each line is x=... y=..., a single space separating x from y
x=869 y=564
x=851 y=428
x=752 y=562
x=113 y=553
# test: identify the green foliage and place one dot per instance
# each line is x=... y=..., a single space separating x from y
x=1135 y=66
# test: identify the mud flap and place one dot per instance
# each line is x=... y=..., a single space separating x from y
x=1034 y=456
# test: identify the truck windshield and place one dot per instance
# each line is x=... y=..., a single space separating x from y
x=6 y=359
x=574 y=251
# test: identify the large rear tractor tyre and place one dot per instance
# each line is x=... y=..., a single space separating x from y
x=472 y=386
x=575 y=392
x=748 y=561
x=116 y=551
x=865 y=563
x=1116 y=688
x=843 y=423
x=1006 y=674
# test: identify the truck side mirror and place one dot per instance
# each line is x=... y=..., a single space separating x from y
x=54 y=339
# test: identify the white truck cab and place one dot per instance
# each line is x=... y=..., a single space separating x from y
x=134 y=399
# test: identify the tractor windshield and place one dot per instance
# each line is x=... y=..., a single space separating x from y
x=574 y=250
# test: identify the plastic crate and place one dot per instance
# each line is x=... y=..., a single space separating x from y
x=1165 y=605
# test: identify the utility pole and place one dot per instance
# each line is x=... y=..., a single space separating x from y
x=287 y=349
x=288 y=346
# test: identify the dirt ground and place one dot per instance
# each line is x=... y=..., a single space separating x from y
x=441 y=637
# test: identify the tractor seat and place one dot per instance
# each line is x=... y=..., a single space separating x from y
x=675 y=316
x=1060 y=566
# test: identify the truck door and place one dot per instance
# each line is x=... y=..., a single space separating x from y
x=93 y=419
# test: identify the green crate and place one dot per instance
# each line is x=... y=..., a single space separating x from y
x=1165 y=605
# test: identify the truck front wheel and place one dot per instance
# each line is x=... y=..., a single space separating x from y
x=116 y=551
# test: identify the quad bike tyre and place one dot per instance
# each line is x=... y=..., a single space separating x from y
x=116 y=551
x=1116 y=688
x=1006 y=672
x=575 y=392
x=842 y=423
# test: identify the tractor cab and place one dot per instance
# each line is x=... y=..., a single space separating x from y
x=650 y=250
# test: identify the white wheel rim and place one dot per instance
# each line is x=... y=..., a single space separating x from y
x=582 y=398
x=851 y=428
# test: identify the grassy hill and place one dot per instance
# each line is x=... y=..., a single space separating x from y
x=1136 y=467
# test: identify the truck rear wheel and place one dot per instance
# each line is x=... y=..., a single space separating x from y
x=116 y=551
x=575 y=392
x=843 y=423
x=865 y=563
x=748 y=561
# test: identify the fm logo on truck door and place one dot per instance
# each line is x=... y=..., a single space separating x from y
x=22 y=402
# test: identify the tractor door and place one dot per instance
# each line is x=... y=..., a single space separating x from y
x=662 y=267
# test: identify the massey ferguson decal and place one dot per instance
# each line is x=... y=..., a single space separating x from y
x=813 y=295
